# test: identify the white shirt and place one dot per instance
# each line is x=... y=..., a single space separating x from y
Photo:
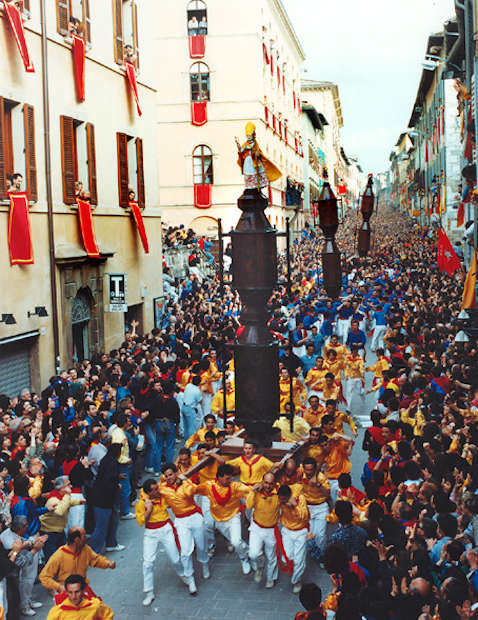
x=192 y=395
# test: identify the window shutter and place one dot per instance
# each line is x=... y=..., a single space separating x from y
x=123 y=173
x=90 y=142
x=62 y=16
x=3 y=175
x=134 y=9
x=30 y=158
x=26 y=5
x=118 y=31
x=68 y=159
x=86 y=19
x=140 y=172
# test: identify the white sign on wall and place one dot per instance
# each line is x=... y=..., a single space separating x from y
x=118 y=299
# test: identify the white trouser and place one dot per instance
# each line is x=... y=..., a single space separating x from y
x=343 y=326
x=27 y=577
x=191 y=530
x=205 y=504
x=231 y=530
x=377 y=338
x=152 y=539
x=351 y=387
x=206 y=403
x=334 y=489
x=295 y=547
x=263 y=538
x=76 y=516
x=318 y=522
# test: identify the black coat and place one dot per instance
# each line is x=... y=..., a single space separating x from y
x=105 y=489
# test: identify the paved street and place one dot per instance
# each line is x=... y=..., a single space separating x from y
x=228 y=595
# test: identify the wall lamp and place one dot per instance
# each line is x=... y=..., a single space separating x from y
x=8 y=319
x=39 y=311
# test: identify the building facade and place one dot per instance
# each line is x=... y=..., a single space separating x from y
x=225 y=68
x=61 y=304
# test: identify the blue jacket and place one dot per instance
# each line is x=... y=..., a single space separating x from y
x=25 y=507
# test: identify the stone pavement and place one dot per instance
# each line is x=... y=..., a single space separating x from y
x=227 y=595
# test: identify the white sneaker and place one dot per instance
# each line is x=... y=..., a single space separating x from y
x=36 y=604
x=258 y=575
x=148 y=599
x=27 y=611
x=270 y=583
x=117 y=548
x=205 y=571
x=130 y=515
x=246 y=567
x=297 y=588
x=192 y=586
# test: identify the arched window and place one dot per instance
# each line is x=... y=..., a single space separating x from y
x=202 y=165
x=199 y=76
x=197 y=18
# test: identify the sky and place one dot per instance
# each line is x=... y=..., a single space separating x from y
x=372 y=49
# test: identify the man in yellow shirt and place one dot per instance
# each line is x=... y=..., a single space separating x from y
x=334 y=364
x=294 y=517
x=316 y=490
x=299 y=393
x=354 y=376
x=332 y=389
x=337 y=450
x=339 y=418
x=315 y=377
x=151 y=512
x=314 y=449
x=225 y=503
x=77 y=606
x=179 y=493
x=250 y=466
x=334 y=345
x=263 y=501
x=314 y=412
x=300 y=428
x=217 y=405
x=198 y=437
x=381 y=364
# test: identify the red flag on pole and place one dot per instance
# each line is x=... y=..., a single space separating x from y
x=86 y=227
x=138 y=218
x=19 y=233
x=16 y=24
x=447 y=258
x=460 y=216
x=131 y=74
x=78 y=51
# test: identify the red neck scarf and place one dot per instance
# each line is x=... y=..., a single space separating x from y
x=253 y=462
x=222 y=501
x=56 y=494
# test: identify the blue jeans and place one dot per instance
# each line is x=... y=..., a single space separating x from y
x=125 y=489
x=106 y=526
x=54 y=542
x=152 y=459
x=189 y=420
x=166 y=438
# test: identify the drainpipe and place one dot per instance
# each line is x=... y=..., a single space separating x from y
x=49 y=195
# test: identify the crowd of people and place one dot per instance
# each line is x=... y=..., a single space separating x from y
x=114 y=437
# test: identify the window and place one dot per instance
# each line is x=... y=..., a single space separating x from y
x=125 y=29
x=17 y=146
x=23 y=6
x=199 y=76
x=73 y=16
x=130 y=169
x=78 y=160
x=202 y=166
x=197 y=18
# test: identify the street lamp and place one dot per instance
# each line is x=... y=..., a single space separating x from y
x=365 y=231
x=329 y=223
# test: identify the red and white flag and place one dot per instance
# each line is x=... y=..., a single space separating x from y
x=447 y=258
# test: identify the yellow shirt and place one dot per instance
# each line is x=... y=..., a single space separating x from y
x=417 y=422
x=265 y=507
x=119 y=436
x=198 y=436
x=217 y=404
x=340 y=349
x=332 y=393
x=335 y=368
x=353 y=368
x=315 y=494
x=251 y=472
x=301 y=428
x=315 y=378
x=342 y=418
x=206 y=473
x=283 y=478
x=206 y=381
x=65 y=562
x=180 y=499
x=297 y=517
x=337 y=461
x=313 y=417
x=299 y=393
x=225 y=502
x=36 y=486
x=159 y=513
x=88 y=609
x=381 y=365
x=314 y=451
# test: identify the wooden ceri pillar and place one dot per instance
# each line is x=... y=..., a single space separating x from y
x=256 y=357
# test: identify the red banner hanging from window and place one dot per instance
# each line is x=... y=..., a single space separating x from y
x=78 y=50
x=280 y=129
x=278 y=76
x=138 y=218
x=199 y=113
x=274 y=123
x=294 y=98
x=272 y=64
x=283 y=83
x=299 y=106
x=203 y=196
x=14 y=17
x=19 y=233
x=266 y=112
x=342 y=188
x=131 y=75
x=266 y=55
x=270 y=195
x=86 y=227
x=197 y=46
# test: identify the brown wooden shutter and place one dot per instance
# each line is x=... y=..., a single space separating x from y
x=118 y=31
x=87 y=20
x=140 y=172
x=90 y=142
x=134 y=17
x=30 y=157
x=62 y=16
x=26 y=5
x=68 y=157
x=3 y=173
x=123 y=172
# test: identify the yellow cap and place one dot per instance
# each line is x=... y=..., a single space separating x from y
x=250 y=129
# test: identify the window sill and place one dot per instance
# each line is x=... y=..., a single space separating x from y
x=26 y=15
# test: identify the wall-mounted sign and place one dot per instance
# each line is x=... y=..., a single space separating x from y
x=118 y=299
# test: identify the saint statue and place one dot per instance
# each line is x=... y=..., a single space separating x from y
x=257 y=169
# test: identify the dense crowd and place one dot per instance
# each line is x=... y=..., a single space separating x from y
x=406 y=545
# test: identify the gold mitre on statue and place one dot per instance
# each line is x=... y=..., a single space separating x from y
x=250 y=129
x=271 y=170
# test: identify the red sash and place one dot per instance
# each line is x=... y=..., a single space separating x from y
x=78 y=51
x=16 y=24
x=222 y=501
x=138 y=218
x=199 y=113
x=19 y=234
x=131 y=75
x=256 y=460
x=285 y=564
x=87 y=230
